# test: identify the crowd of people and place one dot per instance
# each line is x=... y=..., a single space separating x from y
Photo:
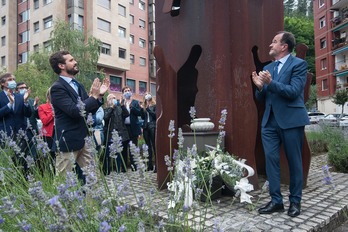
x=64 y=127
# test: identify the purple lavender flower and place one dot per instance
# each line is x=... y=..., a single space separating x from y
x=192 y=112
x=36 y=191
x=168 y=163
x=141 y=201
x=180 y=139
x=24 y=225
x=216 y=226
x=122 y=228
x=171 y=129
x=8 y=207
x=327 y=176
x=222 y=123
x=89 y=120
x=2 y=220
x=104 y=227
x=116 y=146
x=81 y=106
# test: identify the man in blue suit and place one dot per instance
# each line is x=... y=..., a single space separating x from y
x=67 y=98
x=281 y=85
x=14 y=110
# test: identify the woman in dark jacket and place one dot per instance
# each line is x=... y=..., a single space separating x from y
x=114 y=116
x=148 y=114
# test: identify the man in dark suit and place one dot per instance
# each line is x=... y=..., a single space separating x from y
x=281 y=85
x=132 y=122
x=14 y=110
x=68 y=98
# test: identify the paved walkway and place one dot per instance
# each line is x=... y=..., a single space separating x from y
x=324 y=208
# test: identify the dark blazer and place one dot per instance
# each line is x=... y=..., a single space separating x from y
x=135 y=112
x=114 y=120
x=71 y=128
x=285 y=96
x=13 y=120
x=149 y=117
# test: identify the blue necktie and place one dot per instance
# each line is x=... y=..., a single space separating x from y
x=76 y=85
x=275 y=72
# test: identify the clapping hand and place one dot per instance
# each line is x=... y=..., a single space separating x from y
x=105 y=86
x=26 y=95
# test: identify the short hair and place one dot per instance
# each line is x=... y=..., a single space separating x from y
x=56 y=59
x=3 y=78
x=289 y=39
x=20 y=83
x=126 y=87
x=48 y=93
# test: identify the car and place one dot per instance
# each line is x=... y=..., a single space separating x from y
x=343 y=121
x=332 y=119
x=314 y=117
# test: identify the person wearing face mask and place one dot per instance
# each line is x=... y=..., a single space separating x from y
x=132 y=122
x=32 y=128
x=148 y=114
x=14 y=111
x=114 y=116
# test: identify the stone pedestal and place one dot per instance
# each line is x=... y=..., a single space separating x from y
x=201 y=139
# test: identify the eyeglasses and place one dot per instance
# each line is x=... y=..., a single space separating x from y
x=24 y=87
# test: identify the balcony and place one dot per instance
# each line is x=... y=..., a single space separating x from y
x=337 y=4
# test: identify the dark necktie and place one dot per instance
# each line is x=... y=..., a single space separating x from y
x=275 y=72
x=76 y=85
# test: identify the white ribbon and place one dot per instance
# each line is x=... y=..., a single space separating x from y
x=243 y=185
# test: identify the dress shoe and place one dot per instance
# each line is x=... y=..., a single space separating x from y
x=271 y=208
x=294 y=209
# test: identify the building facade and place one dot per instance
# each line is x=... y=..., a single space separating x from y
x=331 y=49
x=121 y=25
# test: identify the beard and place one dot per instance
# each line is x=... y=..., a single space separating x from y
x=73 y=71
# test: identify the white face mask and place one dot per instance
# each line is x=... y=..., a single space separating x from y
x=148 y=97
x=127 y=95
x=22 y=91
x=11 y=84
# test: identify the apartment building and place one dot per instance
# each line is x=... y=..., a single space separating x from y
x=121 y=25
x=331 y=48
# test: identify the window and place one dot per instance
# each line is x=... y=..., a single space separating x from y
x=322 y=22
x=104 y=3
x=131 y=18
x=131 y=83
x=142 y=24
x=36 y=4
x=122 y=53
x=24 y=16
x=323 y=43
x=142 y=43
x=103 y=25
x=122 y=10
x=36 y=48
x=105 y=49
x=47 y=2
x=323 y=63
x=3 y=2
x=23 y=58
x=121 y=32
x=115 y=83
x=131 y=39
x=24 y=37
x=324 y=85
x=142 y=61
x=3 y=41
x=48 y=22
x=131 y=2
x=321 y=3
x=142 y=87
x=36 y=27
x=47 y=46
x=131 y=57
x=3 y=20
x=153 y=89
x=3 y=61
x=80 y=22
x=141 y=5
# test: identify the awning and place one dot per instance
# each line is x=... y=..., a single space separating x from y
x=345 y=48
x=343 y=73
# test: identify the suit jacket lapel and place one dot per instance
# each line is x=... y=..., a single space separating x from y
x=285 y=67
x=68 y=87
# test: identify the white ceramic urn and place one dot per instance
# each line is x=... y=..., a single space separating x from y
x=202 y=125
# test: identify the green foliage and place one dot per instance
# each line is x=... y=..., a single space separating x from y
x=317 y=142
x=303 y=29
x=340 y=98
x=312 y=100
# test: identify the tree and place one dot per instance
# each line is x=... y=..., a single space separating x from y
x=340 y=98
x=312 y=101
x=289 y=6
x=301 y=10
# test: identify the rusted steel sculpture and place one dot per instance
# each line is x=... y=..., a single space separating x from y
x=203 y=51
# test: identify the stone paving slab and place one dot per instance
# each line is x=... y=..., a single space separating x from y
x=323 y=207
